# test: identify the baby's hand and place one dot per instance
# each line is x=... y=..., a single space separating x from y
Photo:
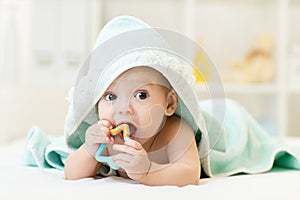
x=133 y=159
x=96 y=135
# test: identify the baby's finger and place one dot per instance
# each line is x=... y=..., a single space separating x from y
x=106 y=130
x=103 y=130
x=122 y=164
x=122 y=160
x=98 y=139
x=105 y=123
x=122 y=156
x=134 y=144
x=125 y=149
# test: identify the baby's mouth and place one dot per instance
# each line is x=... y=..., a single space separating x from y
x=132 y=129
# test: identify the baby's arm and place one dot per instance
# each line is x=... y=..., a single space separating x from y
x=82 y=163
x=184 y=163
x=184 y=171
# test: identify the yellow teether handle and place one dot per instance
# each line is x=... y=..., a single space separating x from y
x=121 y=128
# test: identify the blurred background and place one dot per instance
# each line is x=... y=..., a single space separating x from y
x=254 y=43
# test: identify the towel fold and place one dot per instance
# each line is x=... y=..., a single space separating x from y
x=45 y=152
x=243 y=146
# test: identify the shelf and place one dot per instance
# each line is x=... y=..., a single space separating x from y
x=235 y=26
x=244 y=88
x=251 y=88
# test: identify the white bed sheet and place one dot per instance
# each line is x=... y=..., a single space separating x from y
x=18 y=181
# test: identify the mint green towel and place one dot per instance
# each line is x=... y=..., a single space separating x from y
x=241 y=147
x=45 y=152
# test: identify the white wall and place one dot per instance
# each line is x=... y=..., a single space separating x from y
x=23 y=107
x=42 y=45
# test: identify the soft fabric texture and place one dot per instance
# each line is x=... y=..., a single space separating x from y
x=231 y=140
x=243 y=145
x=44 y=151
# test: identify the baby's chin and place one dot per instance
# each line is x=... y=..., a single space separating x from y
x=141 y=140
x=143 y=137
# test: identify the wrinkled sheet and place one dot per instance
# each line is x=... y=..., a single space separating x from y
x=19 y=181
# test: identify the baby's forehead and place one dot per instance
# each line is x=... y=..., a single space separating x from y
x=142 y=75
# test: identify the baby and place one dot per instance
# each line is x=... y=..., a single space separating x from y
x=162 y=149
x=143 y=78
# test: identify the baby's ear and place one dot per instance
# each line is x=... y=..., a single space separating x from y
x=172 y=102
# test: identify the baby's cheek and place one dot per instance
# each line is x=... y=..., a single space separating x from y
x=151 y=121
x=149 y=115
x=156 y=114
x=105 y=111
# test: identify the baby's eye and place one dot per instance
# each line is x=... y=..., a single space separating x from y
x=141 y=95
x=110 y=97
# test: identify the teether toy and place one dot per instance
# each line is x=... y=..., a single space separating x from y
x=108 y=159
x=119 y=129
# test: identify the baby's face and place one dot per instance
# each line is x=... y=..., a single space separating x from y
x=139 y=97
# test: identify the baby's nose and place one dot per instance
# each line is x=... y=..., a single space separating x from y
x=124 y=108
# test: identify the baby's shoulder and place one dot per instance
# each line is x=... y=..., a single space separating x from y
x=173 y=126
